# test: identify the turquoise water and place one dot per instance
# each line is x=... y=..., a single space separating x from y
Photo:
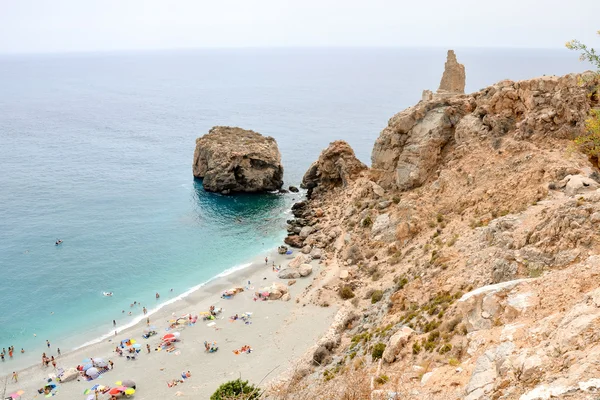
x=96 y=149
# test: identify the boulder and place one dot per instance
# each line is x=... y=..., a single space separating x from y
x=305 y=269
x=382 y=222
x=294 y=241
x=454 y=77
x=344 y=274
x=396 y=343
x=306 y=249
x=307 y=230
x=299 y=260
x=289 y=273
x=316 y=253
x=482 y=378
x=293 y=189
x=336 y=166
x=230 y=159
x=291 y=282
x=286 y=297
x=575 y=184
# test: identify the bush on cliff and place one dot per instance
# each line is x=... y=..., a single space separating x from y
x=589 y=143
x=236 y=389
x=346 y=292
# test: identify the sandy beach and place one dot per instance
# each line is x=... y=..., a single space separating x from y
x=279 y=332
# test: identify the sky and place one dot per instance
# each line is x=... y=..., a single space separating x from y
x=41 y=26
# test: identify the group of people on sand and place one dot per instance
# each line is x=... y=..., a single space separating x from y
x=47 y=360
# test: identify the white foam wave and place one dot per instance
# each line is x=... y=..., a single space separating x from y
x=154 y=310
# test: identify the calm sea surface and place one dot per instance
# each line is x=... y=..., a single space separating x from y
x=96 y=149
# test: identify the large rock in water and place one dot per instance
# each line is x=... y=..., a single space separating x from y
x=229 y=159
x=336 y=166
x=454 y=77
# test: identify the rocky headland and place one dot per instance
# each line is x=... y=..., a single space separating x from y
x=466 y=259
x=230 y=160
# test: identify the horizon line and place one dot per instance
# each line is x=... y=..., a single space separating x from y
x=300 y=47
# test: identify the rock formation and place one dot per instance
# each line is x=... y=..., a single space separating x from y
x=415 y=140
x=471 y=250
x=454 y=77
x=229 y=159
x=336 y=166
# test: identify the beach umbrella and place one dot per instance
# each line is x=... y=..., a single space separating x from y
x=136 y=346
x=122 y=388
x=101 y=364
x=97 y=360
x=87 y=366
x=177 y=334
x=90 y=397
x=86 y=361
x=130 y=391
x=114 y=391
x=132 y=341
x=129 y=383
x=51 y=385
x=93 y=372
x=168 y=336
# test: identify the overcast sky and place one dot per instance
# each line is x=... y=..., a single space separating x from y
x=91 y=25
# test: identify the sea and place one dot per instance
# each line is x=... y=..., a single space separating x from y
x=96 y=149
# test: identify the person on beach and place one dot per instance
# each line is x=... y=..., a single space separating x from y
x=157 y=295
x=111 y=364
x=114 y=323
x=266 y=260
x=148 y=348
x=144 y=310
x=10 y=352
x=58 y=350
x=47 y=343
x=148 y=321
x=53 y=363
x=2 y=356
x=15 y=377
x=22 y=351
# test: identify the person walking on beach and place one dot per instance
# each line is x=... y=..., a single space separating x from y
x=58 y=350
x=144 y=310
x=148 y=321
x=15 y=377
x=10 y=352
x=114 y=323
x=266 y=260
x=148 y=348
x=47 y=343
x=111 y=364
x=1 y=356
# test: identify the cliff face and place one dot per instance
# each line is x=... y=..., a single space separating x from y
x=236 y=160
x=416 y=139
x=470 y=252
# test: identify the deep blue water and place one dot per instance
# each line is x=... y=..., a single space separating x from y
x=96 y=149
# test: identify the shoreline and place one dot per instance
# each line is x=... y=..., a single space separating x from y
x=195 y=300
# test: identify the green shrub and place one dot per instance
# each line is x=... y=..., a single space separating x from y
x=366 y=222
x=445 y=348
x=416 y=349
x=377 y=351
x=235 y=388
x=396 y=199
x=376 y=296
x=382 y=379
x=346 y=292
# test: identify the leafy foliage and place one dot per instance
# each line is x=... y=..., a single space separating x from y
x=589 y=143
x=236 y=389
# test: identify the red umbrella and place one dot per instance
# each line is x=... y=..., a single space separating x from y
x=169 y=336
x=114 y=391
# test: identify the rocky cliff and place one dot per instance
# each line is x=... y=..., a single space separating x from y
x=229 y=159
x=465 y=261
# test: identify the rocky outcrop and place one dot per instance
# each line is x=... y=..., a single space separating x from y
x=229 y=159
x=454 y=77
x=336 y=166
x=411 y=148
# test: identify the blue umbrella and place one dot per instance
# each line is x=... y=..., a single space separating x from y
x=87 y=366
x=136 y=345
